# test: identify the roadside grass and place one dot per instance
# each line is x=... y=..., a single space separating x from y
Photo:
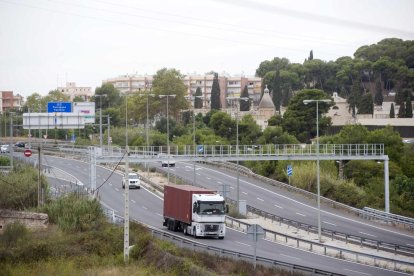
x=69 y=247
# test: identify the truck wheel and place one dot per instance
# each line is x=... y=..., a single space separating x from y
x=195 y=233
x=220 y=238
x=185 y=230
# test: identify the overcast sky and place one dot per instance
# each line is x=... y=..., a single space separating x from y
x=45 y=43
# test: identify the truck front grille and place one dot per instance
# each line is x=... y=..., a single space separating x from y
x=211 y=227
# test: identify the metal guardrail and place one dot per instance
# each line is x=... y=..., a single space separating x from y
x=390 y=218
x=342 y=253
x=184 y=242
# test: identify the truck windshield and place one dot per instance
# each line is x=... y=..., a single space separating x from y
x=212 y=208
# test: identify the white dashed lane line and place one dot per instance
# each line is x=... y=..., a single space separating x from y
x=244 y=193
x=133 y=201
x=330 y=223
x=219 y=182
x=258 y=198
x=290 y=256
x=277 y=206
x=243 y=243
x=158 y=214
x=354 y=271
x=116 y=189
x=145 y=208
x=363 y=233
x=301 y=214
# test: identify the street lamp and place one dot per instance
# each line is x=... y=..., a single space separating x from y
x=317 y=161
x=146 y=126
x=237 y=145
x=192 y=98
x=100 y=118
x=168 y=134
x=11 y=138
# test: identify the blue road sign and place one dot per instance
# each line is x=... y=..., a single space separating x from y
x=200 y=148
x=289 y=170
x=59 y=107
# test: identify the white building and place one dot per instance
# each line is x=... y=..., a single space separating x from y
x=73 y=91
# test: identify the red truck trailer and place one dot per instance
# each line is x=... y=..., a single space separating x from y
x=194 y=210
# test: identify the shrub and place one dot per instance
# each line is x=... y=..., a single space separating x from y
x=75 y=213
x=13 y=234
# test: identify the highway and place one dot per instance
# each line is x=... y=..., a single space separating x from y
x=290 y=205
x=147 y=207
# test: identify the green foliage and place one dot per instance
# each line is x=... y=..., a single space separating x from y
x=4 y=161
x=277 y=91
x=249 y=130
x=378 y=93
x=112 y=96
x=244 y=105
x=275 y=120
x=401 y=110
x=393 y=145
x=198 y=102
x=73 y=213
x=300 y=119
x=392 y=111
x=215 y=94
x=18 y=189
x=223 y=125
x=14 y=234
x=366 y=105
x=276 y=135
x=408 y=107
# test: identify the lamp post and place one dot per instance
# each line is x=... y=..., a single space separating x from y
x=168 y=134
x=147 y=126
x=126 y=190
x=11 y=139
x=194 y=135
x=100 y=118
x=317 y=161
x=237 y=146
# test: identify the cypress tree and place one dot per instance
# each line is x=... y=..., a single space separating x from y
x=408 y=108
x=392 y=111
x=198 y=102
x=378 y=94
x=311 y=55
x=277 y=91
x=215 y=94
x=244 y=105
x=401 y=111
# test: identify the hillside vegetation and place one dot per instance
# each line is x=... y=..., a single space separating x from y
x=80 y=242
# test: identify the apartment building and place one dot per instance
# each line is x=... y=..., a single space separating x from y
x=230 y=86
x=130 y=83
x=73 y=91
x=8 y=101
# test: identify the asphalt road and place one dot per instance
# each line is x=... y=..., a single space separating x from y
x=147 y=207
x=290 y=205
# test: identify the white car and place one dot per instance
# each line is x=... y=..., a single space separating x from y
x=167 y=160
x=4 y=148
x=134 y=181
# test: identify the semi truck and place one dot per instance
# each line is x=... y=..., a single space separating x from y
x=194 y=211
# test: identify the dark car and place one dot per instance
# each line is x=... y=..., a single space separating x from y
x=20 y=144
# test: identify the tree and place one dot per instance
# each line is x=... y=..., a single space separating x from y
x=355 y=96
x=112 y=98
x=392 y=111
x=244 y=105
x=408 y=107
x=277 y=91
x=311 y=55
x=169 y=82
x=215 y=94
x=300 y=119
x=378 y=93
x=401 y=111
x=366 y=105
x=223 y=125
x=249 y=130
x=198 y=102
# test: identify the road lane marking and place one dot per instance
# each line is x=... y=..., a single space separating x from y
x=158 y=214
x=145 y=208
x=330 y=223
x=277 y=206
x=208 y=178
x=116 y=189
x=133 y=201
x=244 y=193
x=354 y=271
x=243 y=243
x=231 y=187
x=308 y=206
x=110 y=184
x=301 y=214
x=363 y=233
x=258 y=198
x=199 y=174
x=219 y=182
x=296 y=258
